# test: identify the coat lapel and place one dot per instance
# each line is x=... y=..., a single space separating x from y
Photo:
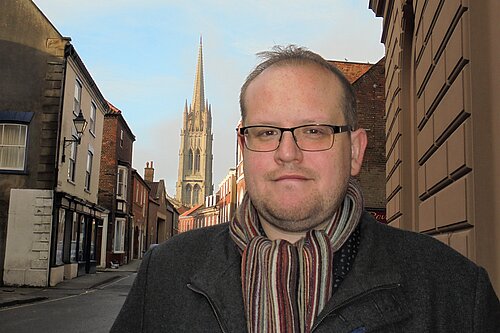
x=372 y=294
x=220 y=280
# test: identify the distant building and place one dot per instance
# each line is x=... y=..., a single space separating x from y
x=227 y=197
x=115 y=185
x=368 y=82
x=163 y=217
x=442 y=117
x=195 y=153
x=140 y=209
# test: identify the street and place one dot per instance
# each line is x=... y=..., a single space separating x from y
x=76 y=310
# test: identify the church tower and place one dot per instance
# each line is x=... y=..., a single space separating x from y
x=195 y=153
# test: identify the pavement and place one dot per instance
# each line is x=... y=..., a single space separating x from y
x=12 y=296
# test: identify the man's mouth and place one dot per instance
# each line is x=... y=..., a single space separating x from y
x=291 y=177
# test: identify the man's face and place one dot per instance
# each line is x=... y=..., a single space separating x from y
x=295 y=190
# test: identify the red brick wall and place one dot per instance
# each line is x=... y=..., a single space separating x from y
x=370 y=94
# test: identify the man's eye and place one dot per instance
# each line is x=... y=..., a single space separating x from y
x=267 y=133
x=314 y=131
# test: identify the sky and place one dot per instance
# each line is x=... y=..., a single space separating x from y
x=143 y=56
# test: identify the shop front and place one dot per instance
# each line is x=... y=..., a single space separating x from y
x=74 y=237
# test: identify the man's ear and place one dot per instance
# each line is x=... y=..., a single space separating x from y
x=358 y=146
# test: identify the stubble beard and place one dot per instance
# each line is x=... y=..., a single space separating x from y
x=314 y=210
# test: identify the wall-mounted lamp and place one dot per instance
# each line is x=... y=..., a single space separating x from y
x=80 y=124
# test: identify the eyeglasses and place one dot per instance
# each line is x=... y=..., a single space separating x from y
x=315 y=137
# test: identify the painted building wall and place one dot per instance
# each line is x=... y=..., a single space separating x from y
x=442 y=102
x=31 y=62
x=28 y=241
x=91 y=140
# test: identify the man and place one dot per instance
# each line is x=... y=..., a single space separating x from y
x=301 y=255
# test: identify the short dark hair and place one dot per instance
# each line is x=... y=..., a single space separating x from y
x=296 y=55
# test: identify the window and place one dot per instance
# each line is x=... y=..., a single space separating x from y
x=121 y=138
x=197 y=161
x=188 y=194
x=136 y=196
x=93 y=109
x=77 y=98
x=72 y=158
x=82 y=238
x=196 y=194
x=119 y=239
x=12 y=146
x=88 y=173
x=190 y=161
x=74 y=238
x=60 y=237
x=121 y=186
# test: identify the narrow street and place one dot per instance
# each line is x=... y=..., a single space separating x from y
x=70 y=310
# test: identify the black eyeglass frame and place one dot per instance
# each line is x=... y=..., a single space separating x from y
x=336 y=129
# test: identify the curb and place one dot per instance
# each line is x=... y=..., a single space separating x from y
x=108 y=280
x=22 y=301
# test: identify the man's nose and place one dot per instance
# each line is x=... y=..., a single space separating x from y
x=288 y=150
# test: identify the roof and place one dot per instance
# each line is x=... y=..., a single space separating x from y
x=351 y=70
x=113 y=109
x=187 y=213
x=114 y=112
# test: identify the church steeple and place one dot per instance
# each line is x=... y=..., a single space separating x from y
x=198 y=103
x=195 y=154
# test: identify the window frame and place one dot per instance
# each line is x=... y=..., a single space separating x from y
x=92 y=118
x=121 y=187
x=22 y=144
x=73 y=154
x=77 y=97
x=119 y=235
x=88 y=171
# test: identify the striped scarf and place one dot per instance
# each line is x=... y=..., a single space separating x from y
x=285 y=286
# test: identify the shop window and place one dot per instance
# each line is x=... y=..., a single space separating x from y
x=60 y=237
x=74 y=238
x=82 y=238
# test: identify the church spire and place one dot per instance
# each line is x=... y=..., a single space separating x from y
x=198 y=103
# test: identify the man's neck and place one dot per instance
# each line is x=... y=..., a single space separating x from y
x=273 y=233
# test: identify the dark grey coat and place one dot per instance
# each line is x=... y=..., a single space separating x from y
x=400 y=282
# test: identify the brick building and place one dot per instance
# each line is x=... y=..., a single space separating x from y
x=115 y=185
x=163 y=216
x=368 y=82
x=370 y=95
x=140 y=209
x=442 y=102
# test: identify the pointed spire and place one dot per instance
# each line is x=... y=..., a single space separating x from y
x=199 y=87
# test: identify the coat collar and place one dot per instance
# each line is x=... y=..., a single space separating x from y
x=371 y=295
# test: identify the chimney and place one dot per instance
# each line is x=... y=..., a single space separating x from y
x=149 y=172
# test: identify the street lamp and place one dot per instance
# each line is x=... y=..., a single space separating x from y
x=80 y=124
